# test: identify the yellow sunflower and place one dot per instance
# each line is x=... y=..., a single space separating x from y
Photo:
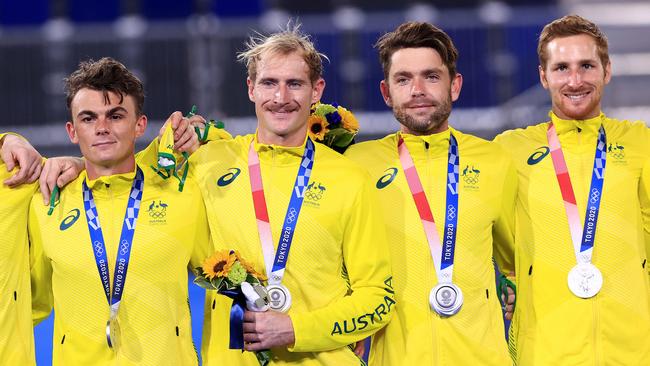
x=218 y=264
x=317 y=127
x=249 y=267
x=348 y=120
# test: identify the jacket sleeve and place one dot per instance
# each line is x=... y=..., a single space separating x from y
x=40 y=268
x=370 y=304
x=3 y=134
x=203 y=246
x=503 y=231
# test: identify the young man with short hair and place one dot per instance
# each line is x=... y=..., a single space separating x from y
x=116 y=219
x=583 y=289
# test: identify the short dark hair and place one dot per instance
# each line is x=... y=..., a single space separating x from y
x=572 y=25
x=417 y=35
x=106 y=75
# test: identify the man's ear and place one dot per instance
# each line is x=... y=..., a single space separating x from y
x=317 y=91
x=608 y=72
x=72 y=132
x=542 y=77
x=385 y=92
x=140 y=126
x=456 y=86
x=251 y=89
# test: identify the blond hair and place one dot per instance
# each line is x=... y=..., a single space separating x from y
x=284 y=42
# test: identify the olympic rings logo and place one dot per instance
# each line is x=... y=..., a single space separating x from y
x=291 y=216
x=157 y=210
x=124 y=247
x=314 y=191
x=595 y=195
x=451 y=212
x=313 y=196
x=98 y=248
x=157 y=214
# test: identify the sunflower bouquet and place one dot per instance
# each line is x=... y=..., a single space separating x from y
x=228 y=273
x=332 y=125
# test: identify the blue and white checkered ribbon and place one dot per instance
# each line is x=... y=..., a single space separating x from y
x=126 y=240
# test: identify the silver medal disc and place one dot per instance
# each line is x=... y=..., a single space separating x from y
x=446 y=299
x=585 y=280
x=113 y=334
x=279 y=297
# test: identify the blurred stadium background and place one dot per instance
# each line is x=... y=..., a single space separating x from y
x=185 y=50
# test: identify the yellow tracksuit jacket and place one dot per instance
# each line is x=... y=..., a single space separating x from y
x=551 y=325
x=171 y=233
x=417 y=335
x=16 y=337
x=339 y=232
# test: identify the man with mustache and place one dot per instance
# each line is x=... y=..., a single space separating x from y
x=584 y=178
x=19 y=163
x=448 y=205
x=325 y=257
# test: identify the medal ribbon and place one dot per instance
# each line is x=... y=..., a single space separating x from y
x=126 y=241
x=275 y=267
x=583 y=239
x=443 y=255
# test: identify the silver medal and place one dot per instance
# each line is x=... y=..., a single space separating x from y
x=279 y=297
x=113 y=334
x=446 y=299
x=585 y=280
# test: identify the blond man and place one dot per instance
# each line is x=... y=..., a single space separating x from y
x=334 y=275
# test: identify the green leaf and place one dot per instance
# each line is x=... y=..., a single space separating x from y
x=229 y=285
x=217 y=282
x=252 y=279
x=263 y=357
x=336 y=132
x=203 y=282
x=344 y=140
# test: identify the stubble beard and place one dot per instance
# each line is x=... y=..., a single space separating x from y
x=427 y=125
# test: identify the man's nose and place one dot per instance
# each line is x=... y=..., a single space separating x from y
x=102 y=126
x=281 y=94
x=417 y=87
x=575 y=78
